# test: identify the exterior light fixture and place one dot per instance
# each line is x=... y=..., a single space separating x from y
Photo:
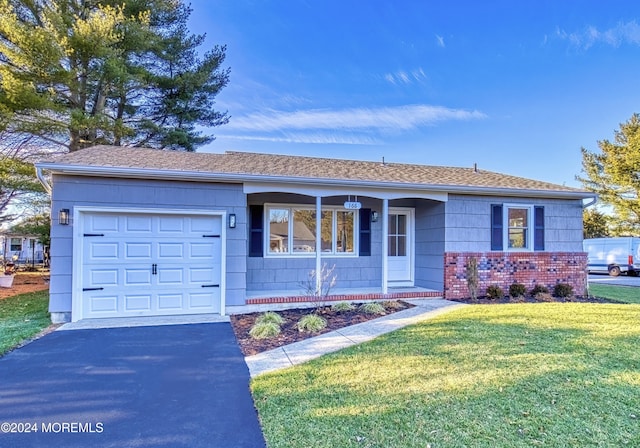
x=64 y=217
x=232 y=221
x=374 y=216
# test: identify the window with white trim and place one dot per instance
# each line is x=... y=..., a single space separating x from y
x=518 y=221
x=291 y=230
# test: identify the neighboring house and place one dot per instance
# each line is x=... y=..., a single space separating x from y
x=21 y=249
x=161 y=232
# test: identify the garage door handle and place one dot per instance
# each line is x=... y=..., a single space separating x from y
x=92 y=289
x=210 y=286
x=154 y=269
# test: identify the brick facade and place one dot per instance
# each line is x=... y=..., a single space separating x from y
x=505 y=268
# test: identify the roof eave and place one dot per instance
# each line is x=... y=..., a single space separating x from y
x=204 y=176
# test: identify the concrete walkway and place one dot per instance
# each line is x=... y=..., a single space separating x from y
x=303 y=351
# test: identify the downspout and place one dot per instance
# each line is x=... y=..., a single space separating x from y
x=589 y=204
x=43 y=180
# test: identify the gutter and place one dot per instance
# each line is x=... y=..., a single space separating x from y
x=201 y=176
x=43 y=180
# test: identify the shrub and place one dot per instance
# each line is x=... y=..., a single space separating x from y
x=539 y=289
x=495 y=292
x=392 y=305
x=270 y=316
x=544 y=297
x=264 y=330
x=371 y=308
x=342 y=307
x=312 y=323
x=563 y=290
x=517 y=290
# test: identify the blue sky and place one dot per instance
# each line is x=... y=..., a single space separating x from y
x=514 y=86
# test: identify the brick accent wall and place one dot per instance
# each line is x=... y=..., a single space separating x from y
x=505 y=268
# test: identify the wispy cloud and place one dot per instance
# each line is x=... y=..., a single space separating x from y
x=623 y=32
x=440 y=41
x=383 y=118
x=403 y=77
x=322 y=138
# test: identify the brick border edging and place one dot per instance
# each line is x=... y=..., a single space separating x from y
x=345 y=297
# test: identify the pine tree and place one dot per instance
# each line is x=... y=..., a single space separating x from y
x=77 y=73
x=614 y=174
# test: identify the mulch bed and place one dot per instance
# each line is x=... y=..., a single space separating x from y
x=507 y=299
x=242 y=323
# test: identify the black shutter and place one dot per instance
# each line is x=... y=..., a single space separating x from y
x=496 y=227
x=365 y=232
x=256 y=226
x=538 y=236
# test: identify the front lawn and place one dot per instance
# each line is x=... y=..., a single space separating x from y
x=22 y=317
x=625 y=294
x=521 y=375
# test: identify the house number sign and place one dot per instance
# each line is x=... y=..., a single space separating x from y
x=351 y=205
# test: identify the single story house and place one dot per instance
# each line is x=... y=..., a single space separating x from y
x=139 y=232
x=21 y=248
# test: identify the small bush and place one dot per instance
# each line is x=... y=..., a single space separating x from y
x=342 y=307
x=563 y=290
x=312 y=323
x=371 y=308
x=517 y=290
x=264 y=330
x=544 y=297
x=392 y=305
x=539 y=289
x=270 y=316
x=495 y=292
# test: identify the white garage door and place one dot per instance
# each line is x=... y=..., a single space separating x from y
x=148 y=265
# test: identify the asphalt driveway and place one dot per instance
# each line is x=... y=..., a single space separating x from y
x=166 y=386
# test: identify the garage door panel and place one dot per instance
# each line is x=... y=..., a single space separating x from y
x=201 y=275
x=103 y=251
x=139 y=251
x=204 y=225
x=103 y=277
x=171 y=250
x=137 y=302
x=202 y=300
x=102 y=223
x=150 y=264
x=102 y=304
x=138 y=224
x=171 y=224
x=202 y=250
x=137 y=277
x=169 y=277
x=170 y=302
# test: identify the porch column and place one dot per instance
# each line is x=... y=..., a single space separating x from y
x=385 y=245
x=318 y=244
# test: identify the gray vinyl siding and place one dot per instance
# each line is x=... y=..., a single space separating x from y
x=73 y=191
x=430 y=233
x=468 y=222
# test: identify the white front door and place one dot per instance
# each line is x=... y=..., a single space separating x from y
x=150 y=264
x=400 y=247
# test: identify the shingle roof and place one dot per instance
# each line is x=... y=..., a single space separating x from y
x=268 y=166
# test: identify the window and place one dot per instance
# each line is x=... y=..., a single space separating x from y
x=292 y=230
x=16 y=244
x=517 y=227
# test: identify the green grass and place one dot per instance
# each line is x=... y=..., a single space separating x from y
x=22 y=317
x=522 y=375
x=625 y=294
